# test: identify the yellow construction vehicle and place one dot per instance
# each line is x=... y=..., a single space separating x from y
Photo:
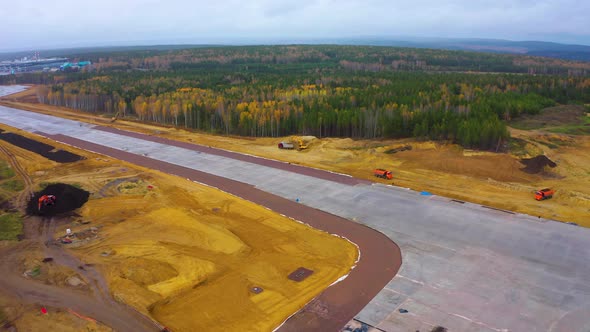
x=302 y=146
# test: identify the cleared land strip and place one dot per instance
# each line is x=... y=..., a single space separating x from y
x=317 y=173
x=379 y=261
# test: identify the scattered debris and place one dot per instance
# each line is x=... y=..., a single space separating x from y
x=35 y=272
x=256 y=290
x=66 y=240
x=74 y=281
x=107 y=253
x=425 y=193
x=399 y=149
x=300 y=274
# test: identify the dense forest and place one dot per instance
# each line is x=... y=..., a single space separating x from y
x=351 y=91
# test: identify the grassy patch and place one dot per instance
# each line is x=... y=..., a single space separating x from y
x=517 y=146
x=559 y=116
x=546 y=143
x=11 y=226
x=582 y=128
x=43 y=185
x=13 y=185
x=3 y=317
x=6 y=171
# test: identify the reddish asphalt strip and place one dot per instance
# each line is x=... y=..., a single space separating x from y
x=380 y=258
x=314 y=172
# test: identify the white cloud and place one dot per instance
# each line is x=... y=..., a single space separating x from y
x=40 y=23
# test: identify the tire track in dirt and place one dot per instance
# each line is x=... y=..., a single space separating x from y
x=39 y=232
x=27 y=192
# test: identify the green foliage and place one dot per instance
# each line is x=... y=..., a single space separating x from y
x=43 y=184
x=12 y=185
x=11 y=226
x=567 y=119
x=36 y=271
x=345 y=91
x=582 y=128
x=6 y=171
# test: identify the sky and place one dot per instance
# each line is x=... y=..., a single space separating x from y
x=41 y=24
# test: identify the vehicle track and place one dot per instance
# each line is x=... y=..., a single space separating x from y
x=39 y=233
x=27 y=193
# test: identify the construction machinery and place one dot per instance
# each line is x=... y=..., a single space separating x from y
x=302 y=145
x=286 y=146
x=297 y=143
x=544 y=194
x=383 y=173
x=46 y=200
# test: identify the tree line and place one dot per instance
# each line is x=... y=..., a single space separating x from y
x=320 y=91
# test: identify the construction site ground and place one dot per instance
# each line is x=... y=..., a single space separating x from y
x=170 y=248
x=488 y=178
x=466 y=267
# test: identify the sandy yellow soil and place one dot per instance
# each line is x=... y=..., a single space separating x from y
x=493 y=179
x=30 y=318
x=187 y=254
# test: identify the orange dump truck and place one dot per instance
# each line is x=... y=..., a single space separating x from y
x=382 y=173
x=544 y=194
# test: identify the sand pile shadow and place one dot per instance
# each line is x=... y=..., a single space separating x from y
x=42 y=149
x=537 y=164
x=68 y=198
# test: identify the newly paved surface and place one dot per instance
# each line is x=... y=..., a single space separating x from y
x=465 y=267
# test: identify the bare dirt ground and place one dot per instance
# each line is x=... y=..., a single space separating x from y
x=172 y=249
x=493 y=179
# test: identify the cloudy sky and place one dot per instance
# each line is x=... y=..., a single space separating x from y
x=39 y=24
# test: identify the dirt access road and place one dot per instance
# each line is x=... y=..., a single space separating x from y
x=98 y=305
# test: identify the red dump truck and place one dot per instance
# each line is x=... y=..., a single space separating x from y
x=544 y=194
x=383 y=173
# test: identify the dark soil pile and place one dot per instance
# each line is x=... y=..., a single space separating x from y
x=68 y=198
x=43 y=149
x=537 y=164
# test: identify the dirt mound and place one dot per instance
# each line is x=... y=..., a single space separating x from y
x=68 y=198
x=43 y=149
x=536 y=164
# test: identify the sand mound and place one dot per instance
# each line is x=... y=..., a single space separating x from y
x=536 y=164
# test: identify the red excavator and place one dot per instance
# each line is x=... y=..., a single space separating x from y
x=46 y=200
